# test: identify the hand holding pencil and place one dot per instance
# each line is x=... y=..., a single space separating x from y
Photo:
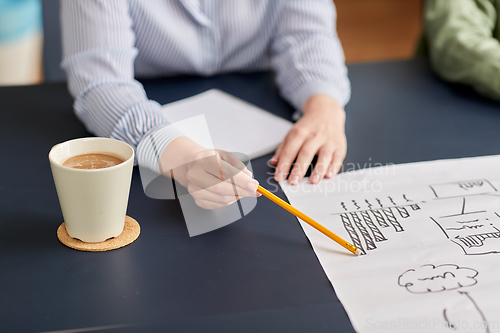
x=291 y=209
x=309 y=220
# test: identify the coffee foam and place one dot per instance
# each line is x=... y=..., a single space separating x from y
x=121 y=157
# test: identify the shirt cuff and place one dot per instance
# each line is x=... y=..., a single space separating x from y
x=152 y=145
x=314 y=88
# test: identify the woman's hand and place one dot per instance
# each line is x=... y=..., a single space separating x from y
x=214 y=178
x=320 y=132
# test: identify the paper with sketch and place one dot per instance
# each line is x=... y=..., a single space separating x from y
x=430 y=234
x=234 y=125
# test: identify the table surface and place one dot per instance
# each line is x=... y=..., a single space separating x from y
x=257 y=274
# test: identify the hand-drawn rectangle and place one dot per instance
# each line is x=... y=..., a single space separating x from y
x=464 y=187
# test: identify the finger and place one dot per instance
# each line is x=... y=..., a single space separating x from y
x=198 y=176
x=220 y=169
x=234 y=161
x=243 y=181
x=210 y=205
x=248 y=173
x=224 y=188
x=338 y=158
x=323 y=163
x=288 y=154
x=199 y=193
x=276 y=156
x=304 y=159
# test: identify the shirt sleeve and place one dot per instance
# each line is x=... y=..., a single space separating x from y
x=461 y=43
x=306 y=53
x=98 y=57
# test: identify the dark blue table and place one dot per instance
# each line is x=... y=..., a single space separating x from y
x=258 y=274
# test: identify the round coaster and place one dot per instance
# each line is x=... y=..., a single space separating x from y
x=131 y=231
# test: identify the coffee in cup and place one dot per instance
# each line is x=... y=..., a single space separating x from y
x=93 y=194
x=98 y=160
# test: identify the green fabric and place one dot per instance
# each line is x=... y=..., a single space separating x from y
x=463 y=42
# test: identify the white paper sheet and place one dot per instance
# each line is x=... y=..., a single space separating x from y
x=431 y=234
x=234 y=125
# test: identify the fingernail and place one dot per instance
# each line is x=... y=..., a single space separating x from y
x=315 y=179
x=259 y=194
x=330 y=173
x=252 y=187
x=294 y=179
x=279 y=176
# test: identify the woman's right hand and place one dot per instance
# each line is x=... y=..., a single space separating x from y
x=214 y=178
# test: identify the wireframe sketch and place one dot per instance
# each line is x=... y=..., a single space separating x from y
x=462 y=188
x=474 y=229
x=434 y=279
x=365 y=220
x=430 y=235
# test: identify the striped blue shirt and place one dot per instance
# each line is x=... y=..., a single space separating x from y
x=107 y=43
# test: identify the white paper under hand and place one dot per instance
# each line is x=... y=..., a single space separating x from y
x=234 y=125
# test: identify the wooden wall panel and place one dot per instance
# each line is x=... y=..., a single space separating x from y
x=377 y=30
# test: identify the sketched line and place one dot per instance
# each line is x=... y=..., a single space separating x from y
x=402 y=212
x=356 y=204
x=440 y=227
x=466 y=181
x=434 y=191
x=477 y=240
x=392 y=219
x=491 y=185
x=370 y=244
x=465 y=195
x=352 y=232
x=476 y=220
x=447 y=321
x=407 y=200
x=369 y=204
x=467 y=227
x=377 y=234
x=380 y=219
x=479 y=211
x=477 y=308
x=415 y=207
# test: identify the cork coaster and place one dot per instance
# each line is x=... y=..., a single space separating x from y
x=131 y=231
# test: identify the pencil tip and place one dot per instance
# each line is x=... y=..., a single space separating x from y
x=358 y=252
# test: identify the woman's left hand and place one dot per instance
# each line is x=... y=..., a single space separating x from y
x=320 y=131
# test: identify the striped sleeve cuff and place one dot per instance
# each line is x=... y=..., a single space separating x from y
x=151 y=146
x=314 y=88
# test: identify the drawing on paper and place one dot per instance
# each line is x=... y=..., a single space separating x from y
x=476 y=231
x=462 y=188
x=443 y=214
x=434 y=279
x=364 y=220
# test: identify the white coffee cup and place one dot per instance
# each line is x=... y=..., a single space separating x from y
x=93 y=201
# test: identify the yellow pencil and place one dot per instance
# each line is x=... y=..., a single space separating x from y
x=309 y=220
